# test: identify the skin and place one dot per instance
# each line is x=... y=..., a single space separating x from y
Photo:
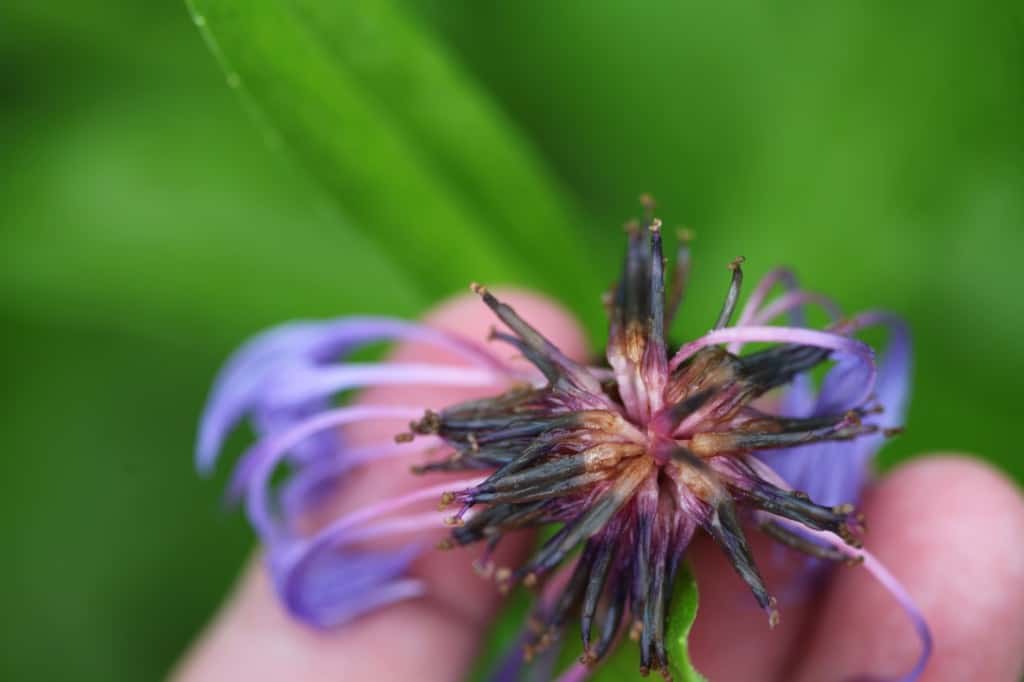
x=947 y=526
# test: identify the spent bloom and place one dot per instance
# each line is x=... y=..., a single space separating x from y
x=625 y=462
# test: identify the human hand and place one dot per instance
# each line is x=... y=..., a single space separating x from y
x=947 y=526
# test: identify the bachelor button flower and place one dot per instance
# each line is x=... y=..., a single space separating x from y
x=627 y=462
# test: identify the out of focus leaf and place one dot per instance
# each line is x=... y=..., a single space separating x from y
x=624 y=661
x=417 y=156
x=680 y=621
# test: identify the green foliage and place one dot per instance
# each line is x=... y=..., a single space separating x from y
x=413 y=150
x=148 y=226
x=622 y=663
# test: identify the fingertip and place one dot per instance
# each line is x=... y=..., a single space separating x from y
x=432 y=638
x=948 y=527
x=467 y=316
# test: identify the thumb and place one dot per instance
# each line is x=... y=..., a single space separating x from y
x=434 y=637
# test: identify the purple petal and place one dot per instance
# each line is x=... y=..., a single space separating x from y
x=835 y=472
x=857 y=350
x=314 y=481
x=271 y=357
x=326 y=586
x=875 y=567
x=261 y=460
x=793 y=302
x=238 y=385
x=906 y=602
x=893 y=384
x=306 y=384
x=577 y=672
x=783 y=276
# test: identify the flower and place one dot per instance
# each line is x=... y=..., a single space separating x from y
x=627 y=461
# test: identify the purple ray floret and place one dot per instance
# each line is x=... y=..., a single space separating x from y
x=626 y=462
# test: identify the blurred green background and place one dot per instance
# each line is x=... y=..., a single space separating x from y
x=152 y=218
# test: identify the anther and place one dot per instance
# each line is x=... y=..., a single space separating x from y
x=445 y=544
x=647 y=201
x=635 y=630
x=406 y=437
x=855 y=560
x=503 y=577
x=484 y=569
x=446 y=501
x=733 y=294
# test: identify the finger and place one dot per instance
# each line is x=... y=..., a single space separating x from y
x=949 y=528
x=731 y=638
x=431 y=638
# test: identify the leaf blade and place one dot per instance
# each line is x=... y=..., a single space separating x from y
x=432 y=172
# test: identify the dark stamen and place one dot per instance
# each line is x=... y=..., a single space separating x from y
x=733 y=296
x=716 y=443
x=613 y=614
x=656 y=354
x=539 y=491
x=796 y=507
x=604 y=550
x=680 y=275
x=801 y=544
x=776 y=366
x=725 y=527
x=595 y=516
x=536 y=341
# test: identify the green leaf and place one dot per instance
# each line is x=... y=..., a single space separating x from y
x=623 y=663
x=414 y=152
x=682 y=613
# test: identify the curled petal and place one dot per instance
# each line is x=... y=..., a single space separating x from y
x=577 y=672
x=783 y=276
x=893 y=385
x=794 y=301
x=857 y=350
x=891 y=585
x=313 y=482
x=871 y=563
x=269 y=358
x=313 y=383
x=327 y=586
x=263 y=458
x=325 y=583
x=238 y=385
x=835 y=472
